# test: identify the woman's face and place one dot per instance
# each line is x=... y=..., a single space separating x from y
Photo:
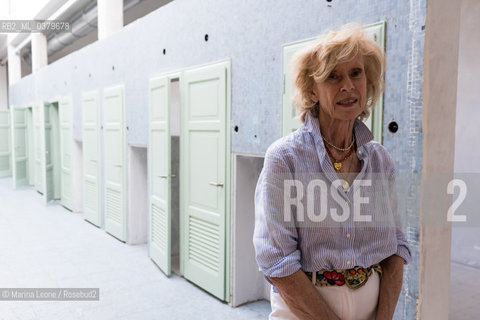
x=342 y=96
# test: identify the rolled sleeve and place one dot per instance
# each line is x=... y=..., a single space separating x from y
x=403 y=251
x=275 y=240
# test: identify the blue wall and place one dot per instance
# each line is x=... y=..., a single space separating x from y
x=250 y=33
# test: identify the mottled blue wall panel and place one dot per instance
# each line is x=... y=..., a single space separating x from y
x=251 y=33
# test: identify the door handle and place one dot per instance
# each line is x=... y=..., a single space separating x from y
x=165 y=177
x=216 y=184
x=118 y=165
x=93 y=160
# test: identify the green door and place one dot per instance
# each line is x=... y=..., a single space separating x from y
x=114 y=156
x=5 y=150
x=91 y=158
x=204 y=177
x=160 y=174
x=37 y=141
x=48 y=157
x=19 y=143
x=66 y=149
x=30 y=147
x=290 y=120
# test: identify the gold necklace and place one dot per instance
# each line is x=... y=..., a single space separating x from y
x=337 y=164
x=338 y=148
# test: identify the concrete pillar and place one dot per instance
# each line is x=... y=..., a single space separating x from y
x=3 y=87
x=110 y=17
x=439 y=109
x=14 y=66
x=39 y=51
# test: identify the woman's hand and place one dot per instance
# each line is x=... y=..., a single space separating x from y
x=302 y=298
x=390 y=286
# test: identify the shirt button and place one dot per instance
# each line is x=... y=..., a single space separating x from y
x=348 y=235
x=348 y=262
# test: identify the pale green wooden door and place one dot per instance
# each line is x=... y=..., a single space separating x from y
x=19 y=147
x=374 y=122
x=203 y=177
x=91 y=158
x=30 y=146
x=290 y=120
x=5 y=149
x=160 y=174
x=66 y=149
x=115 y=160
x=47 y=161
x=37 y=130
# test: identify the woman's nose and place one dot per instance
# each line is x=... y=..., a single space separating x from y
x=347 y=84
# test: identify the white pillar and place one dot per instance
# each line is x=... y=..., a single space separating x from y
x=39 y=51
x=110 y=17
x=439 y=107
x=14 y=66
x=3 y=88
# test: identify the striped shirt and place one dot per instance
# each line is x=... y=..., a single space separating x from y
x=318 y=233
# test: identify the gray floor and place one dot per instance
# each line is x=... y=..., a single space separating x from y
x=50 y=247
x=464 y=292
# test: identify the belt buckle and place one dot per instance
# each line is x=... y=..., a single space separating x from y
x=355 y=278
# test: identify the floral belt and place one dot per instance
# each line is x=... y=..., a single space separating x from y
x=353 y=278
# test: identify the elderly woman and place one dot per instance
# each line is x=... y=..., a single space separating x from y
x=344 y=258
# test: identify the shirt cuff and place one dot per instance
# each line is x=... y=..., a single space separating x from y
x=404 y=253
x=285 y=266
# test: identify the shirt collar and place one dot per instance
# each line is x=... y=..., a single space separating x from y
x=361 y=131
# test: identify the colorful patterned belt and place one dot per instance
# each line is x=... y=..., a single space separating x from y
x=353 y=278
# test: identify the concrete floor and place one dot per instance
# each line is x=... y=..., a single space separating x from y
x=50 y=247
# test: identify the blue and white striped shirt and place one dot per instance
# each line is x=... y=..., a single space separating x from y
x=287 y=240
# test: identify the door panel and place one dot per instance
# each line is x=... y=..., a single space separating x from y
x=5 y=143
x=37 y=129
x=115 y=160
x=66 y=149
x=203 y=174
x=91 y=158
x=19 y=143
x=47 y=164
x=30 y=146
x=160 y=174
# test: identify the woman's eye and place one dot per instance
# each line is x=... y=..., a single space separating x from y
x=332 y=76
x=356 y=73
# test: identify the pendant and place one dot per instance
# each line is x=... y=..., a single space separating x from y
x=337 y=165
x=345 y=185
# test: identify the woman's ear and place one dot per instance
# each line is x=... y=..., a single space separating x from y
x=313 y=96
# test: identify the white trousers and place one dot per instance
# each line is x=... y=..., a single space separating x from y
x=348 y=304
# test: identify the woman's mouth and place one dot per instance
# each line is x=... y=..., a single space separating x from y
x=347 y=102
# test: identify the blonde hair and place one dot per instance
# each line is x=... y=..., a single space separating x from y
x=316 y=62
